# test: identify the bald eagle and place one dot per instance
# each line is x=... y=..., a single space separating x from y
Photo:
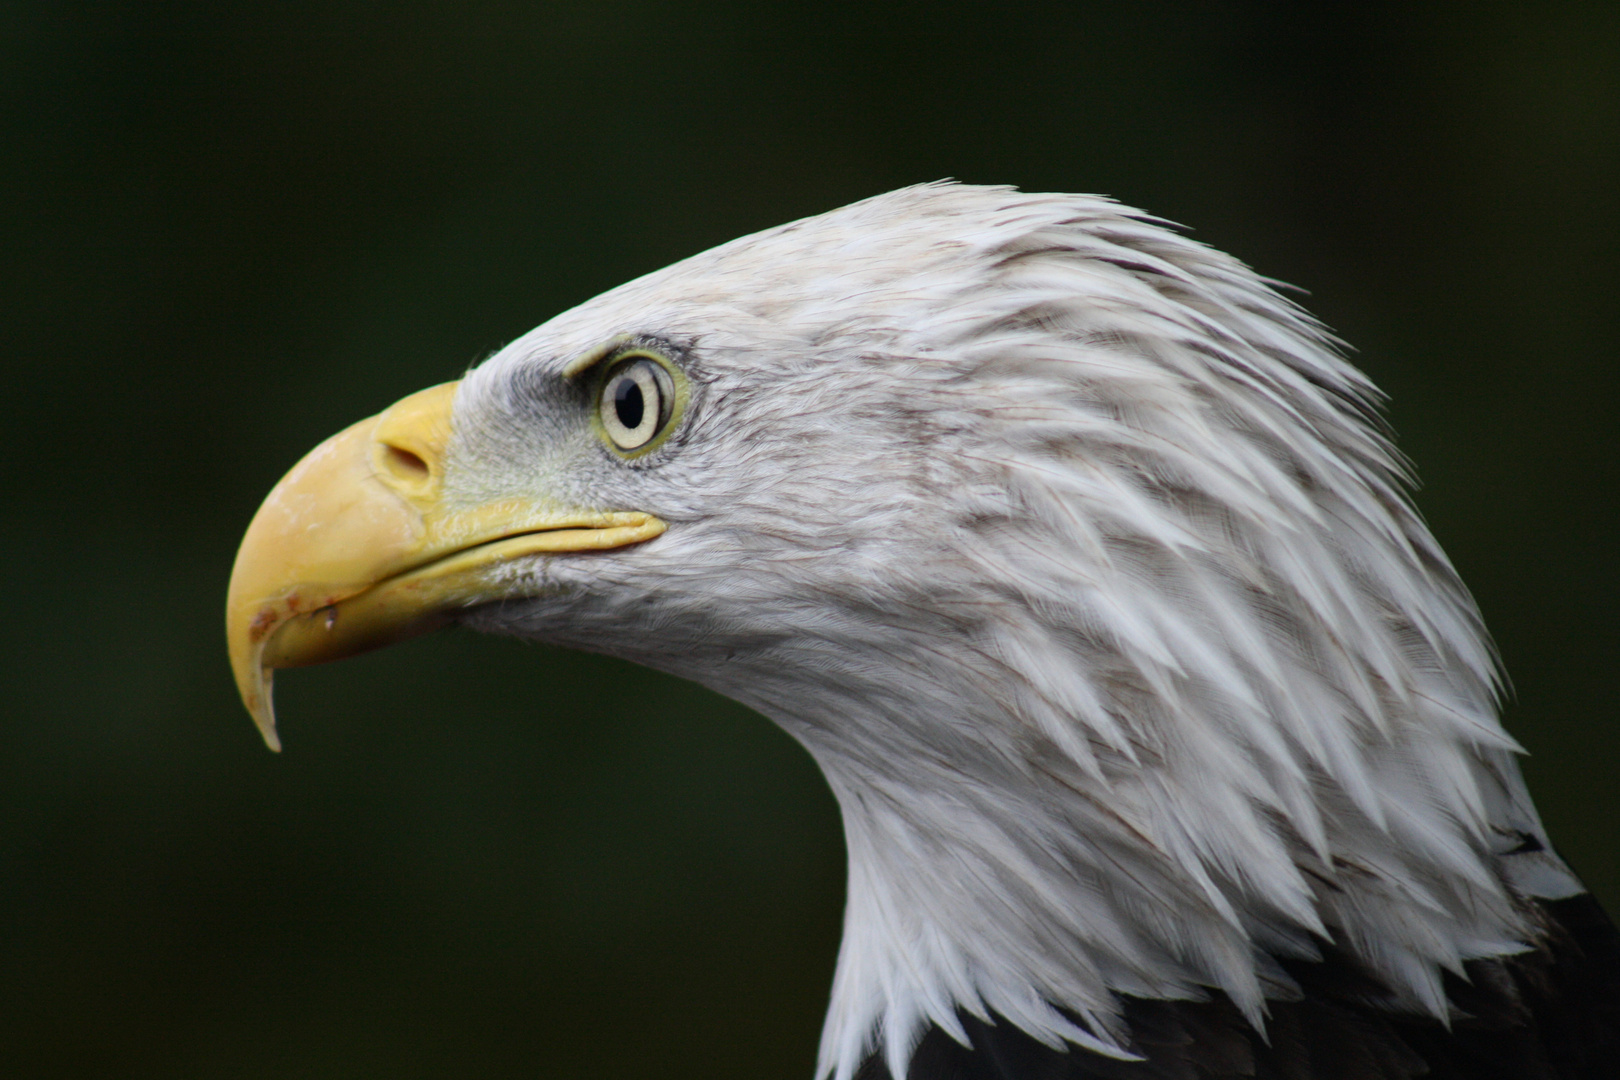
x=1164 y=734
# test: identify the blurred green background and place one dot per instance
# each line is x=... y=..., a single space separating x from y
x=231 y=229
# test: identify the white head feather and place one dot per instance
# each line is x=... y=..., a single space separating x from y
x=1078 y=559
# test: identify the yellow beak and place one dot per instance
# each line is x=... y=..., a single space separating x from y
x=354 y=549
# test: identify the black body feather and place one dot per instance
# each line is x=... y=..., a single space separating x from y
x=1549 y=1014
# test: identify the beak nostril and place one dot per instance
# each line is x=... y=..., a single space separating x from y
x=406 y=465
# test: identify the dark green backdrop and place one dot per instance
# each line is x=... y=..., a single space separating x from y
x=231 y=229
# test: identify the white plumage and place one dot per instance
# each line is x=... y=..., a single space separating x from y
x=1078 y=559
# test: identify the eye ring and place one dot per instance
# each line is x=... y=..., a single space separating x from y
x=636 y=402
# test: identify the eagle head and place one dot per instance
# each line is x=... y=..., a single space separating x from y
x=1075 y=555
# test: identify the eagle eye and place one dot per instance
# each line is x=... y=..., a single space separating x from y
x=636 y=402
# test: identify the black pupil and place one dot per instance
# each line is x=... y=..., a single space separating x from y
x=628 y=404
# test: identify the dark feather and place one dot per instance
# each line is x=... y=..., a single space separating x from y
x=1550 y=1014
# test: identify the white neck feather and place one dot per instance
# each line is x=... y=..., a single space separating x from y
x=1196 y=688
